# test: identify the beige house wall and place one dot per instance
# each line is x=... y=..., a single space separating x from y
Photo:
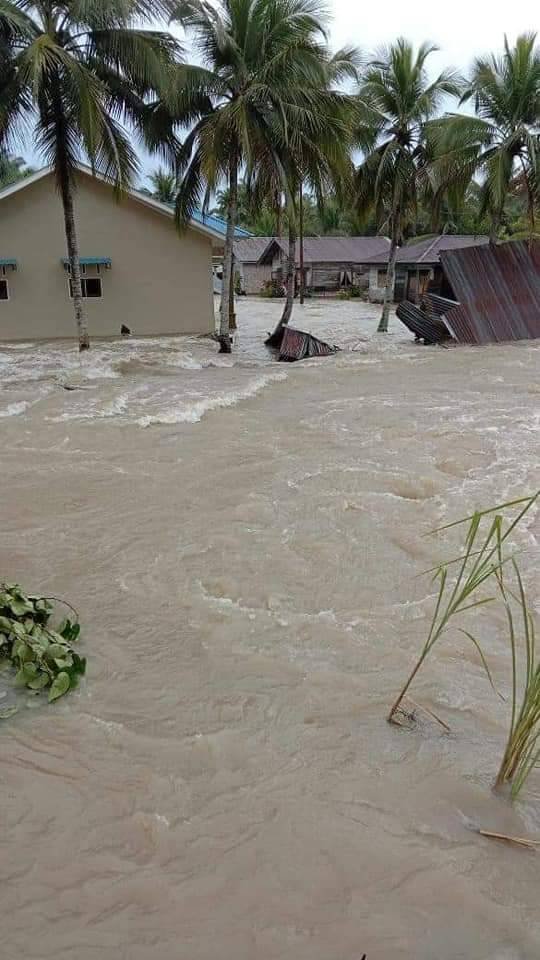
x=160 y=282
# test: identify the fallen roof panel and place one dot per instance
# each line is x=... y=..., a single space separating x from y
x=423 y=322
x=498 y=288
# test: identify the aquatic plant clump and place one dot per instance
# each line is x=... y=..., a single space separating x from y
x=43 y=658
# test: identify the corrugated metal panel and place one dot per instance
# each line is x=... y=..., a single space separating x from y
x=299 y=345
x=498 y=288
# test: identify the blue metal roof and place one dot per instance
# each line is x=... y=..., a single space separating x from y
x=217 y=224
x=8 y=262
x=90 y=261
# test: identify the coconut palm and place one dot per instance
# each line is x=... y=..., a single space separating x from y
x=163 y=186
x=316 y=158
x=13 y=168
x=502 y=142
x=72 y=71
x=314 y=153
x=261 y=73
x=397 y=100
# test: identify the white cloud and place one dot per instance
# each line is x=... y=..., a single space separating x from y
x=461 y=28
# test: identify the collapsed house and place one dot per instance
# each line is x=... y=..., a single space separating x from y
x=418 y=267
x=492 y=295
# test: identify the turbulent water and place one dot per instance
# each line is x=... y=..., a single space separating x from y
x=243 y=541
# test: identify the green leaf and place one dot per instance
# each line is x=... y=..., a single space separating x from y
x=57 y=650
x=60 y=687
x=20 y=650
x=79 y=664
x=6 y=712
x=25 y=674
x=64 y=662
x=40 y=681
x=6 y=624
x=20 y=607
x=43 y=606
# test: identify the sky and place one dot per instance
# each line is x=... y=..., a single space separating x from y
x=462 y=29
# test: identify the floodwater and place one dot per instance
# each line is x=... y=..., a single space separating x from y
x=243 y=541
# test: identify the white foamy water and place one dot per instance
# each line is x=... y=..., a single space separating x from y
x=193 y=412
x=248 y=574
x=14 y=409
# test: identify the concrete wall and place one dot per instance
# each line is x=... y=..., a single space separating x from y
x=160 y=282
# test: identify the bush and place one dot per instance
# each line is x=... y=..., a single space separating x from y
x=351 y=293
x=273 y=288
x=43 y=657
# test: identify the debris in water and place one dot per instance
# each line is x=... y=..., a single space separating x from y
x=521 y=841
x=423 y=321
x=299 y=345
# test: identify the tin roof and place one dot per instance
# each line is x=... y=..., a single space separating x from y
x=428 y=251
x=218 y=224
x=316 y=249
x=498 y=289
x=250 y=249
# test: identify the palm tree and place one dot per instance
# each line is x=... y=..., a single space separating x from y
x=397 y=100
x=73 y=70
x=163 y=186
x=13 y=168
x=317 y=157
x=502 y=142
x=314 y=152
x=261 y=67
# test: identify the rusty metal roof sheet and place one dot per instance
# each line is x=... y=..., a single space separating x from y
x=498 y=289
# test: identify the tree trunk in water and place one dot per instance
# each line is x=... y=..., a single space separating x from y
x=224 y=335
x=66 y=191
x=275 y=338
x=232 y=314
x=389 y=289
x=301 y=228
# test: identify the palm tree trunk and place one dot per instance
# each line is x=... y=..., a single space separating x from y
x=232 y=208
x=389 y=289
x=496 y=218
x=66 y=193
x=301 y=230
x=232 y=314
x=275 y=338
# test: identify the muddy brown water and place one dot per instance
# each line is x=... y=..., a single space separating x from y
x=243 y=542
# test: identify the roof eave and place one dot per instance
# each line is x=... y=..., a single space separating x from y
x=133 y=194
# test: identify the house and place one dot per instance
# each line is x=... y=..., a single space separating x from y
x=418 y=267
x=137 y=269
x=330 y=263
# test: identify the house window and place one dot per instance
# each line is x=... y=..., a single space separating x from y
x=90 y=287
x=381 y=278
x=4 y=289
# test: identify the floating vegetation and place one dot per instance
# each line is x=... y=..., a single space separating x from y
x=42 y=658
